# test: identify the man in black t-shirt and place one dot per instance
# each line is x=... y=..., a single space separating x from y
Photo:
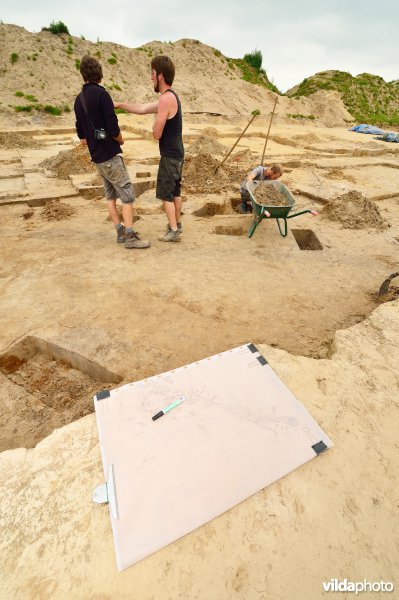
x=97 y=127
x=167 y=129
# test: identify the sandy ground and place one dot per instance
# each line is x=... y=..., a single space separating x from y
x=143 y=312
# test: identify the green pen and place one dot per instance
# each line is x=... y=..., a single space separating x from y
x=168 y=408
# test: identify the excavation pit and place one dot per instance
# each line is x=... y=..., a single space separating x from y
x=46 y=387
x=229 y=230
x=306 y=239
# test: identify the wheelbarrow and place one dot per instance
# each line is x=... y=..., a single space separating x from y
x=280 y=213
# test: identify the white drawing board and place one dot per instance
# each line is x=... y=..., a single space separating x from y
x=238 y=430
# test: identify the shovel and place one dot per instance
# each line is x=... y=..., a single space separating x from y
x=385 y=285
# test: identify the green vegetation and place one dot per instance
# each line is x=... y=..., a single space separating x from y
x=98 y=54
x=19 y=94
x=66 y=108
x=217 y=53
x=27 y=108
x=77 y=63
x=368 y=98
x=119 y=111
x=116 y=87
x=56 y=28
x=299 y=116
x=254 y=59
x=30 y=98
x=52 y=110
x=250 y=74
x=13 y=58
x=114 y=55
x=112 y=60
x=69 y=49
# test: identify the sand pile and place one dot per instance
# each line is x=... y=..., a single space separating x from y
x=70 y=162
x=207 y=145
x=16 y=140
x=57 y=211
x=199 y=175
x=307 y=138
x=354 y=211
x=269 y=195
x=337 y=173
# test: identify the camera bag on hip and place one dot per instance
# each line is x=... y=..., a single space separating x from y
x=99 y=134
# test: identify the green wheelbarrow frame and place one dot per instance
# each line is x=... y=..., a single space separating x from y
x=273 y=212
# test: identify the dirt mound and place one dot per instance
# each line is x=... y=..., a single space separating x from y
x=269 y=195
x=199 y=175
x=57 y=211
x=69 y=162
x=241 y=156
x=308 y=138
x=17 y=140
x=354 y=211
x=207 y=145
x=337 y=173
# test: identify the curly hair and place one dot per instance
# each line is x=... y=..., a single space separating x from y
x=91 y=69
x=163 y=64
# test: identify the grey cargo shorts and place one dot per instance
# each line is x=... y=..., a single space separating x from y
x=116 y=180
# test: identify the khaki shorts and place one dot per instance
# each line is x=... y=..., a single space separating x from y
x=169 y=178
x=116 y=180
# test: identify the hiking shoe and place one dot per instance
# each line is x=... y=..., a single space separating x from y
x=170 y=236
x=121 y=235
x=242 y=208
x=133 y=241
x=179 y=228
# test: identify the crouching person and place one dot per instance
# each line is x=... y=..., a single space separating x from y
x=257 y=174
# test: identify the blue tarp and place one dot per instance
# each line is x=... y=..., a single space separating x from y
x=363 y=128
x=389 y=137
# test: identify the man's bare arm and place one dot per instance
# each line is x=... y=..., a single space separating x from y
x=138 y=109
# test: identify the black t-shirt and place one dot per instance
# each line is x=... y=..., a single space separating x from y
x=102 y=115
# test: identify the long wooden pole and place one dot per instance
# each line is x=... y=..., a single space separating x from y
x=255 y=113
x=268 y=131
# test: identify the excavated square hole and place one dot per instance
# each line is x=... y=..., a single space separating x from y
x=46 y=387
x=307 y=239
x=230 y=230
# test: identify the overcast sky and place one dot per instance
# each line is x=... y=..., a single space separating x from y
x=297 y=38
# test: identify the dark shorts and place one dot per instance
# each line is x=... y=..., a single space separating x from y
x=116 y=180
x=169 y=178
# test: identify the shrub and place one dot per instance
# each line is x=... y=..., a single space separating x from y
x=52 y=110
x=56 y=27
x=19 y=94
x=112 y=60
x=217 y=53
x=254 y=59
x=77 y=63
x=13 y=58
x=117 y=87
x=98 y=54
x=66 y=108
x=27 y=108
x=30 y=97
